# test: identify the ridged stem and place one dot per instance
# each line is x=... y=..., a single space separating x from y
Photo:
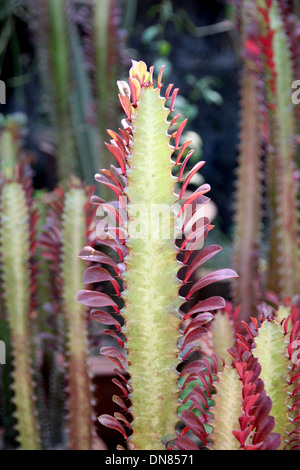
x=270 y=351
x=75 y=316
x=227 y=410
x=15 y=256
x=151 y=294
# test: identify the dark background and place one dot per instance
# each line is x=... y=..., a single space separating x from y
x=211 y=54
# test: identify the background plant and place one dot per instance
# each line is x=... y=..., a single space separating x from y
x=268 y=156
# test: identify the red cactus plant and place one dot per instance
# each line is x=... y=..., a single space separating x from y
x=251 y=403
x=147 y=259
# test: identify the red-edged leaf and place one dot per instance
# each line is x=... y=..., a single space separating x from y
x=212 y=303
x=121 y=417
x=216 y=276
x=114 y=335
x=121 y=386
x=205 y=255
x=193 y=337
x=183 y=166
x=184 y=443
x=168 y=90
x=183 y=148
x=196 y=322
x=194 y=424
x=179 y=132
x=264 y=430
x=205 y=188
x=126 y=105
x=135 y=89
x=95 y=274
x=195 y=237
x=173 y=98
x=103 y=180
x=119 y=156
x=117 y=247
x=159 y=78
x=193 y=171
x=119 y=402
x=96 y=299
x=90 y=254
x=112 y=423
x=104 y=318
x=117 y=139
x=114 y=177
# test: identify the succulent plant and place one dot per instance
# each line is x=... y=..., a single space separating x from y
x=148 y=258
x=68 y=226
x=251 y=403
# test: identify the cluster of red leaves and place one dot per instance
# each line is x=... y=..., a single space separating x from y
x=256 y=421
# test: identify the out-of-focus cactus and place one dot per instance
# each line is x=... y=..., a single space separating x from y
x=68 y=227
x=18 y=285
x=248 y=211
x=268 y=141
x=284 y=259
x=67 y=87
x=108 y=46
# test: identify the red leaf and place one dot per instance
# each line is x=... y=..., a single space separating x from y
x=216 y=276
x=193 y=171
x=126 y=105
x=179 y=132
x=212 y=303
x=104 y=318
x=96 y=299
x=205 y=255
x=95 y=274
x=194 y=424
x=135 y=89
x=184 y=443
x=205 y=188
x=184 y=163
x=119 y=156
x=112 y=423
x=90 y=254
x=183 y=148
x=168 y=90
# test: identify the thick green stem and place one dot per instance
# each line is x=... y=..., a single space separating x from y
x=73 y=237
x=15 y=253
x=228 y=409
x=151 y=295
x=271 y=352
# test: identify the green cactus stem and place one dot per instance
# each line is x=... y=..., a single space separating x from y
x=227 y=403
x=16 y=252
x=73 y=237
x=107 y=38
x=274 y=345
x=69 y=216
x=248 y=211
x=145 y=240
x=284 y=257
